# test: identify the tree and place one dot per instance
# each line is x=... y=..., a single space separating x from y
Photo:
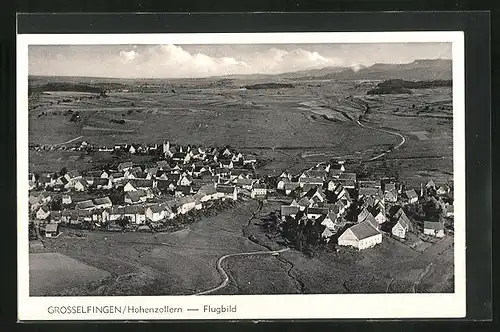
x=123 y=222
x=56 y=204
x=63 y=171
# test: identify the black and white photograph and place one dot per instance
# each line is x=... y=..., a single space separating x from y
x=200 y=166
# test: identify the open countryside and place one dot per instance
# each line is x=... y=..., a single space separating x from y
x=242 y=185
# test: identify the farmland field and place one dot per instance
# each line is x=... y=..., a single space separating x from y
x=54 y=272
x=291 y=127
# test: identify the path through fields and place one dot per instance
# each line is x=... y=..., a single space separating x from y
x=403 y=140
x=223 y=272
x=71 y=140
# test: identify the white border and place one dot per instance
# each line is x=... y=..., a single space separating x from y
x=349 y=306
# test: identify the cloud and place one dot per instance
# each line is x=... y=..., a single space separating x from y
x=175 y=61
x=128 y=56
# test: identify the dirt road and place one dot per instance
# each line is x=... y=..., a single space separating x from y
x=223 y=272
x=71 y=140
x=403 y=140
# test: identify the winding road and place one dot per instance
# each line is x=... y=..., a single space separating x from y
x=223 y=272
x=71 y=140
x=403 y=140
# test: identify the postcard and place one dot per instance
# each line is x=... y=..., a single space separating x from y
x=241 y=176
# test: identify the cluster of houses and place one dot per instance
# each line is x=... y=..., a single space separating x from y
x=184 y=179
x=355 y=212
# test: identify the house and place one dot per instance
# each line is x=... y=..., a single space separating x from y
x=165 y=185
x=281 y=183
x=102 y=203
x=116 y=176
x=226 y=163
x=288 y=211
x=51 y=230
x=42 y=213
x=85 y=205
x=155 y=213
x=228 y=191
x=360 y=236
x=124 y=166
x=315 y=213
x=391 y=196
x=315 y=194
x=411 y=196
x=259 y=190
x=308 y=180
x=130 y=187
x=183 y=190
x=367 y=192
x=363 y=215
x=102 y=183
x=244 y=183
x=371 y=219
x=135 y=213
x=135 y=197
x=434 y=228
x=378 y=214
x=209 y=192
x=402 y=226
x=430 y=185
x=132 y=149
x=186 y=204
x=66 y=199
x=71 y=176
x=443 y=190
x=44 y=197
x=291 y=187
x=181 y=157
x=185 y=180
x=104 y=175
x=80 y=185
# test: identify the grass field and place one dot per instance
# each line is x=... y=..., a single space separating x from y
x=51 y=273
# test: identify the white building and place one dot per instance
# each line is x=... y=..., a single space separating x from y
x=361 y=236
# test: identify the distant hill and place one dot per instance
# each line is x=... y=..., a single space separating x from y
x=418 y=70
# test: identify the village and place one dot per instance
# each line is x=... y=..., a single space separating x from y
x=186 y=179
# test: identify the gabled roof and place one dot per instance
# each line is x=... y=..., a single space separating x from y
x=85 y=204
x=186 y=200
x=411 y=194
x=244 y=182
x=44 y=208
x=116 y=175
x=403 y=220
x=102 y=201
x=260 y=186
x=317 y=211
x=433 y=225
x=287 y=210
x=186 y=190
x=101 y=181
x=125 y=164
x=141 y=183
x=208 y=189
x=363 y=191
x=430 y=184
x=225 y=189
x=73 y=174
x=371 y=219
x=291 y=185
x=347 y=176
x=389 y=186
x=364 y=230
x=156 y=208
x=51 y=227
x=135 y=196
x=363 y=215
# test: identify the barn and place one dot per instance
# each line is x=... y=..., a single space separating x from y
x=361 y=236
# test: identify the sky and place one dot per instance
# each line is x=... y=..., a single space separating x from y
x=188 y=61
